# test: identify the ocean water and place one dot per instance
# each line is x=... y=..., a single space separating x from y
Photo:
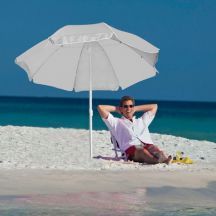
x=194 y=120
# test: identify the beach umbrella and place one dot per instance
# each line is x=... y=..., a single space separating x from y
x=90 y=57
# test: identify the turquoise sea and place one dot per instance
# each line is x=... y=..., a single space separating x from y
x=194 y=120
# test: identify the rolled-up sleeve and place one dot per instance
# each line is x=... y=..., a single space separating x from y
x=148 y=118
x=111 y=122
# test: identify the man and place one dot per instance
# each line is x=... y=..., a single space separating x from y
x=132 y=134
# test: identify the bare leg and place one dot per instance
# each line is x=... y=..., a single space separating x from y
x=156 y=152
x=162 y=158
x=144 y=156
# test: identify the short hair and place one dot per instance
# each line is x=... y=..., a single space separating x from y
x=126 y=98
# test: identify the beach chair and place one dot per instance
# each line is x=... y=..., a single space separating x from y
x=119 y=154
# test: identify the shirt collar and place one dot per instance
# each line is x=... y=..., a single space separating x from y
x=134 y=118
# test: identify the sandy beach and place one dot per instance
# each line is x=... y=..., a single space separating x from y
x=47 y=166
x=68 y=149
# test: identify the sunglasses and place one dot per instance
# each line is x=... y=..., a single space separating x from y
x=127 y=106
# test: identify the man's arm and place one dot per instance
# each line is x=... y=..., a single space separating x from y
x=148 y=107
x=104 y=110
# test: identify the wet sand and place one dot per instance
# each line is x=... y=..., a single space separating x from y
x=39 y=182
x=103 y=192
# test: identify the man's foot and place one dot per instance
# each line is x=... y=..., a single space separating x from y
x=161 y=157
x=168 y=160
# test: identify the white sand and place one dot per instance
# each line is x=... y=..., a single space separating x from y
x=68 y=149
x=53 y=166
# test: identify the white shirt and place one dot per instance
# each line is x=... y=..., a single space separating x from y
x=128 y=133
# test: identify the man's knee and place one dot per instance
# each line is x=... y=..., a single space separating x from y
x=139 y=156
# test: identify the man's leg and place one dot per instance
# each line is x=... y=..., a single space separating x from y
x=156 y=152
x=142 y=155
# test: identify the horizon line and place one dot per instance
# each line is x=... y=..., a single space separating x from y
x=96 y=98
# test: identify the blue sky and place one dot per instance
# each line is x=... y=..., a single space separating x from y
x=184 y=30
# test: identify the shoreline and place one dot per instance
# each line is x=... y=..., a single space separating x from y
x=26 y=181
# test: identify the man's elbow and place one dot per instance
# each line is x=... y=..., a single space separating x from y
x=155 y=107
x=99 y=107
x=102 y=111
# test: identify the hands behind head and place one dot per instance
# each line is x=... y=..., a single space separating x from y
x=118 y=110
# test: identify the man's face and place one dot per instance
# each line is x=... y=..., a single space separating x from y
x=127 y=109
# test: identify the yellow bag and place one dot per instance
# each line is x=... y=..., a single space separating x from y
x=180 y=159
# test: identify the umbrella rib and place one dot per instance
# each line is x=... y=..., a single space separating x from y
x=117 y=36
x=109 y=62
x=110 y=29
x=45 y=61
x=133 y=49
x=126 y=44
x=78 y=65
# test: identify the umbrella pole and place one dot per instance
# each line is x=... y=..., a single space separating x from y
x=90 y=102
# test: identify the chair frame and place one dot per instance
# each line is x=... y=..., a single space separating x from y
x=117 y=149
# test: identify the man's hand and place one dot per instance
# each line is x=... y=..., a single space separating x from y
x=118 y=110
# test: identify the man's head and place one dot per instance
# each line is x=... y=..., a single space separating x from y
x=127 y=107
